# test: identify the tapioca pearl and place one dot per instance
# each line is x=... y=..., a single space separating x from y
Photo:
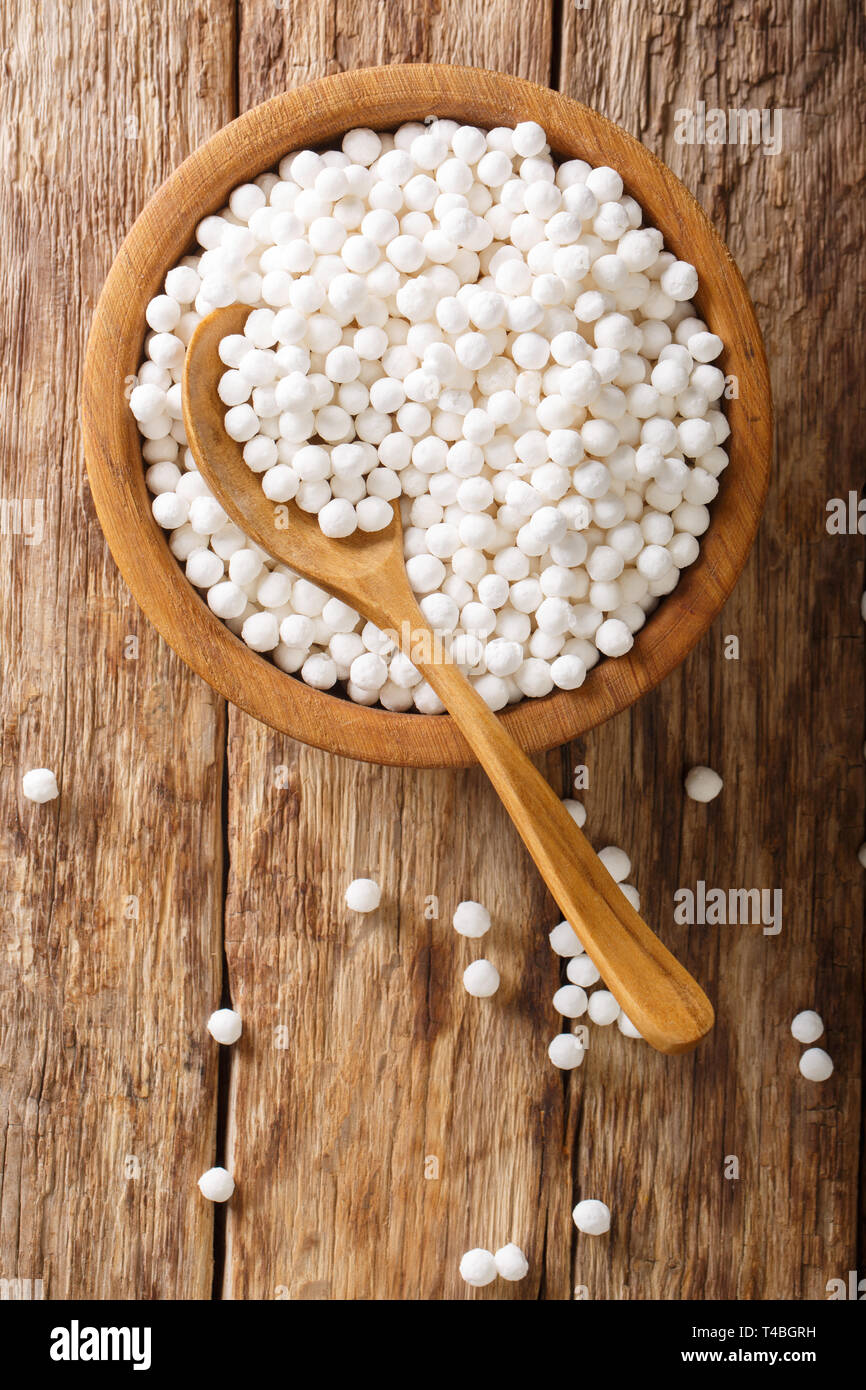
x=493 y=591
x=616 y=861
x=679 y=281
x=638 y=249
x=368 y=671
x=226 y=600
x=298 y=631
x=653 y=562
x=683 y=549
x=477 y=618
x=171 y=511
x=564 y=940
x=702 y=345
x=593 y=305
x=162 y=477
x=603 y=1009
x=613 y=638
x=807 y=1026
x=320 y=671
x=260 y=632
x=280 y=483
x=566 y=1051
x=610 y=222
x=816 y=1065
x=570 y=1001
x=204 y=568
x=701 y=487
x=656 y=528
x=568 y=672
x=657 y=304
x=691 y=518
x=503 y=658
x=576 y=810
x=337 y=518
x=581 y=971
x=533 y=677
x=553 y=616
x=605 y=563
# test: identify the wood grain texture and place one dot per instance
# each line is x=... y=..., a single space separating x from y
x=361 y=1056
x=783 y=724
x=107 y=1079
x=388 y=1060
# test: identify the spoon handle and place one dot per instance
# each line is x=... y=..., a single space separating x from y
x=660 y=997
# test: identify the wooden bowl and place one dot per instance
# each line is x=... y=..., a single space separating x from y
x=312 y=115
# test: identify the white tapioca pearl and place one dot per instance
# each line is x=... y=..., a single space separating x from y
x=227 y=600
x=703 y=784
x=581 y=971
x=613 y=638
x=703 y=346
x=481 y=979
x=216 y=1185
x=653 y=562
x=592 y=1217
x=603 y=1008
x=534 y=677
x=616 y=861
x=570 y=1001
x=203 y=568
x=478 y=1268
x=816 y=1065
x=337 y=518
x=568 y=672
x=691 y=517
x=679 y=281
x=807 y=1026
x=261 y=632
x=566 y=1051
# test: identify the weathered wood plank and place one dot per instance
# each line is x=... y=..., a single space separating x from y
x=384 y=1072
x=108 y=1109
x=783 y=724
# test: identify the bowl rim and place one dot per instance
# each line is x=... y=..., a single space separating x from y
x=253 y=143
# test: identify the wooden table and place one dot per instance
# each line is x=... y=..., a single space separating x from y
x=378 y=1121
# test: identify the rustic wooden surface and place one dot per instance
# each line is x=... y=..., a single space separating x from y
x=379 y=1121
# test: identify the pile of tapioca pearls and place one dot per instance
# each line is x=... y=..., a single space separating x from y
x=446 y=319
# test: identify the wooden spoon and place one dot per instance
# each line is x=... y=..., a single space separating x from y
x=368 y=572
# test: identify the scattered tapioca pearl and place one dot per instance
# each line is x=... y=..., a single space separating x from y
x=217 y=1185
x=580 y=970
x=481 y=979
x=816 y=1064
x=451 y=322
x=566 y=1051
x=616 y=861
x=511 y=1263
x=603 y=1008
x=703 y=784
x=478 y=1268
x=576 y=810
x=40 y=784
x=807 y=1026
x=592 y=1217
x=363 y=895
x=225 y=1025
x=471 y=918
x=570 y=1001
x=564 y=940
x=861 y=856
